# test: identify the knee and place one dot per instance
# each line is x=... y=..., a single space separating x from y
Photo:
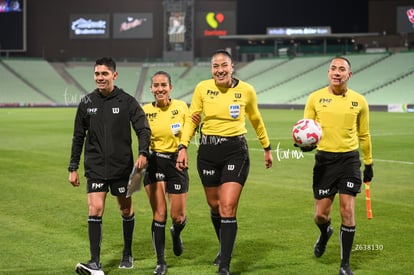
x=160 y=216
x=178 y=219
x=320 y=218
x=347 y=215
x=228 y=210
x=96 y=210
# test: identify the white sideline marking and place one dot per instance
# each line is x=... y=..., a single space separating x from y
x=394 y=161
x=374 y=160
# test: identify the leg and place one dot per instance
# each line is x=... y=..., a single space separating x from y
x=156 y=196
x=322 y=219
x=347 y=206
x=178 y=216
x=213 y=202
x=229 y=198
x=96 y=204
x=128 y=224
x=212 y=196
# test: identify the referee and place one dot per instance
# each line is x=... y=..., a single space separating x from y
x=344 y=117
x=223 y=157
x=166 y=117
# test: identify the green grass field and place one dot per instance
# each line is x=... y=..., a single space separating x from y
x=43 y=219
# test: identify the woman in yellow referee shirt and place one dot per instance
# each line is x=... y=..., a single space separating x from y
x=223 y=160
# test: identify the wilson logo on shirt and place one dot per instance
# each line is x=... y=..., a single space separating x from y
x=115 y=110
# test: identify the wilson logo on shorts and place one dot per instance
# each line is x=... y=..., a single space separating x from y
x=230 y=167
x=121 y=190
x=177 y=186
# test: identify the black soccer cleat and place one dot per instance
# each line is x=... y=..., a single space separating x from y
x=177 y=243
x=90 y=268
x=223 y=271
x=320 y=244
x=345 y=270
x=160 y=269
x=127 y=262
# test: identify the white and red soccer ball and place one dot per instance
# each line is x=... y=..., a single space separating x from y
x=306 y=133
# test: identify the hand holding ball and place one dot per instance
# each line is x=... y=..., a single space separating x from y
x=306 y=133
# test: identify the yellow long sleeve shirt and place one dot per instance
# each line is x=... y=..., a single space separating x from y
x=166 y=125
x=224 y=111
x=344 y=121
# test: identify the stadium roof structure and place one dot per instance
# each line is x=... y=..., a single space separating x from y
x=281 y=37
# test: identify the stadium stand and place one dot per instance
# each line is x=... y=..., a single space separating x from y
x=44 y=79
x=174 y=71
x=17 y=92
x=384 y=78
x=316 y=79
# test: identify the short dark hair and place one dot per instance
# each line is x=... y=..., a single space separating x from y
x=223 y=51
x=345 y=59
x=107 y=61
x=162 y=73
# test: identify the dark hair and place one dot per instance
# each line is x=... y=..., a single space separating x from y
x=345 y=59
x=223 y=51
x=162 y=73
x=106 y=61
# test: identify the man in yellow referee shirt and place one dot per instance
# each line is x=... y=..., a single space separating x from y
x=344 y=117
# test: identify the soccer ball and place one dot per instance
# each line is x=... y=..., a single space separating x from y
x=306 y=133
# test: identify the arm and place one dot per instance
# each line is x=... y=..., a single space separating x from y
x=78 y=139
x=191 y=123
x=142 y=129
x=255 y=118
x=365 y=142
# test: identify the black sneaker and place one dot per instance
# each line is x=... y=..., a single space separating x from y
x=223 y=271
x=177 y=243
x=90 y=268
x=217 y=260
x=320 y=244
x=345 y=270
x=161 y=269
x=127 y=262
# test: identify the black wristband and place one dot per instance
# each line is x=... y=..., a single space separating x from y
x=268 y=148
x=181 y=146
x=72 y=169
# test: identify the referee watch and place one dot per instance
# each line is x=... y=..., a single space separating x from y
x=181 y=146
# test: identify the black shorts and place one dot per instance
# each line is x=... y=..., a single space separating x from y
x=118 y=186
x=161 y=167
x=336 y=172
x=222 y=159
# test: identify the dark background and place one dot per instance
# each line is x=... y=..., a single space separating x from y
x=343 y=16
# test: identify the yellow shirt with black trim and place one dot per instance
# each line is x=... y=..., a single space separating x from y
x=224 y=111
x=344 y=120
x=166 y=125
